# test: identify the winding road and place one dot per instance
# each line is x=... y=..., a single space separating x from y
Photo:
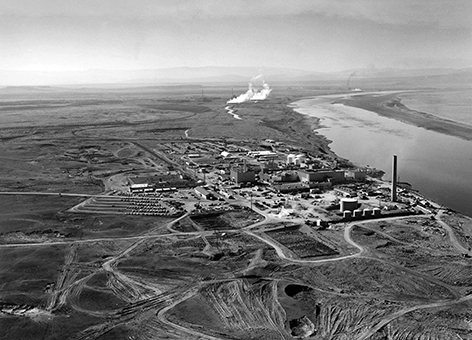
x=249 y=230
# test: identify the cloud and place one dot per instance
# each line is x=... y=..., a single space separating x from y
x=444 y=13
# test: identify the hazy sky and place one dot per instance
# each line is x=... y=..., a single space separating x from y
x=315 y=35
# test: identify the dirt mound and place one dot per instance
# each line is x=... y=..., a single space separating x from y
x=302 y=328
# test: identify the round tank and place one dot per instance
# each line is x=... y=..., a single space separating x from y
x=348 y=204
x=368 y=212
x=377 y=212
x=357 y=213
x=347 y=214
x=291 y=158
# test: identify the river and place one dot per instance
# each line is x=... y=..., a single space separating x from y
x=437 y=165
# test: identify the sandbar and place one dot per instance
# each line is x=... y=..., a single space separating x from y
x=390 y=106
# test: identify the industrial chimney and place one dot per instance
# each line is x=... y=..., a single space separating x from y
x=394 y=179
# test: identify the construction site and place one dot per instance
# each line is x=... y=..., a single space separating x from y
x=119 y=231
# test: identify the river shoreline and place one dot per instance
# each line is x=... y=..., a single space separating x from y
x=390 y=106
x=351 y=127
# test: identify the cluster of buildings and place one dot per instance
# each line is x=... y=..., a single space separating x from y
x=159 y=183
x=296 y=180
x=238 y=166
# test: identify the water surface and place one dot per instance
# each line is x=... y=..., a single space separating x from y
x=437 y=165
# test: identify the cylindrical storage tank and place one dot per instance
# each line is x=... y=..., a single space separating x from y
x=377 y=212
x=347 y=214
x=348 y=204
x=368 y=212
x=357 y=213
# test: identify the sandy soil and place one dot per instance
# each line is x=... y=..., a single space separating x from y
x=104 y=276
x=390 y=105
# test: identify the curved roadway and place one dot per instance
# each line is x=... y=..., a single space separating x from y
x=108 y=265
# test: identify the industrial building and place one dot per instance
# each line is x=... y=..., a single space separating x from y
x=355 y=175
x=321 y=176
x=227 y=155
x=280 y=177
x=159 y=182
x=204 y=193
x=297 y=160
x=242 y=176
x=291 y=187
x=264 y=154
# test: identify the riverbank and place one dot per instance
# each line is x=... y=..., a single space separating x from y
x=436 y=164
x=390 y=106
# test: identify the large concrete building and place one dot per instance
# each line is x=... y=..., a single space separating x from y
x=242 y=176
x=321 y=176
x=356 y=175
x=291 y=187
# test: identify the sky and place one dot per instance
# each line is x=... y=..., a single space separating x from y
x=313 y=35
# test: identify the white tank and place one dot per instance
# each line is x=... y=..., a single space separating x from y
x=347 y=214
x=348 y=204
x=377 y=212
x=291 y=158
x=357 y=213
x=368 y=212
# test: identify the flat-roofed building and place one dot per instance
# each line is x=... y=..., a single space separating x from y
x=291 y=187
x=204 y=193
x=229 y=155
x=242 y=176
x=321 y=176
x=262 y=154
x=356 y=175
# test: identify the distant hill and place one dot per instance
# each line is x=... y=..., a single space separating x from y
x=152 y=76
x=189 y=75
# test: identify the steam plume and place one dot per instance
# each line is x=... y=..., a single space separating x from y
x=349 y=79
x=253 y=94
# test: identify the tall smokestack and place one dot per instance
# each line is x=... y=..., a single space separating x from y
x=394 y=179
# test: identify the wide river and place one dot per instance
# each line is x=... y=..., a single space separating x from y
x=437 y=165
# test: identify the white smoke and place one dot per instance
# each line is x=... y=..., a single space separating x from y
x=253 y=94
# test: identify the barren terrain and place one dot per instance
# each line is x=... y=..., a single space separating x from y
x=79 y=259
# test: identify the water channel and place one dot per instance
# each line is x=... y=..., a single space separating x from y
x=437 y=165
